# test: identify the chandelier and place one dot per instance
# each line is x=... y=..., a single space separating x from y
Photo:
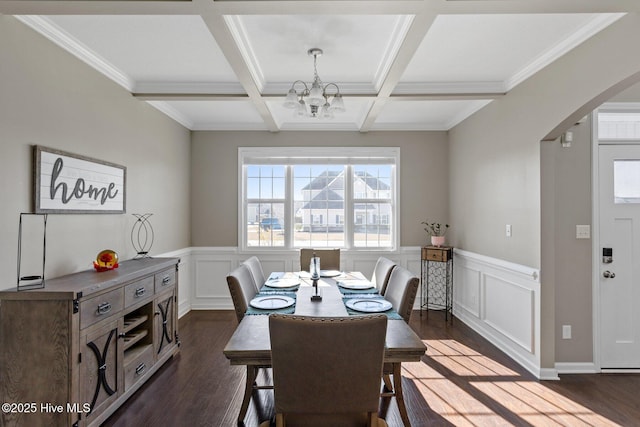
x=314 y=102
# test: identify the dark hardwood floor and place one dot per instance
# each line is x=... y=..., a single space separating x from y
x=462 y=381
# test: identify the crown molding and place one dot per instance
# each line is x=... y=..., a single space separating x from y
x=462 y=88
x=173 y=113
x=61 y=38
x=403 y=24
x=595 y=25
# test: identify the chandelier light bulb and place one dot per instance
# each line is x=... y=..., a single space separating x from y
x=337 y=104
x=292 y=99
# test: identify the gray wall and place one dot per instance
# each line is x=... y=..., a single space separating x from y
x=50 y=98
x=496 y=162
x=214 y=161
x=571 y=193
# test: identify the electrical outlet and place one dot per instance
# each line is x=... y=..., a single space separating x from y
x=508 y=230
x=566 y=332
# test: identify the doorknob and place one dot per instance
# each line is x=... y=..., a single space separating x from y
x=608 y=274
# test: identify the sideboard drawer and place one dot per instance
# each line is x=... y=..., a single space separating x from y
x=165 y=280
x=100 y=307
x=138 y=291
x=141 y=360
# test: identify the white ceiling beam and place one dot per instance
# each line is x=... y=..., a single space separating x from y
x=93 y=7
x=301 y=7
x=221 y=33
x=415 y=35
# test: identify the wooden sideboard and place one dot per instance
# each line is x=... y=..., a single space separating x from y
x=73 y=352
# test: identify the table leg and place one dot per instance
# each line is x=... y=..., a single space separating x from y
x=248 y=390
x=397 y=388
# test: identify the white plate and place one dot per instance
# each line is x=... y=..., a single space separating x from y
x=355 y=284
x=329 y=273
x=272 y=302
x=369 y=305
x=282 y=283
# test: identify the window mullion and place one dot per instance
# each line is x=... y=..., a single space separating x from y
x=289 y=215
x=348 y=207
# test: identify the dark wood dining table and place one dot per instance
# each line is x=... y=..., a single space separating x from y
x=250 y=344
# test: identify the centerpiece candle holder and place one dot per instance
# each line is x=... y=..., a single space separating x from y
x=314 y=269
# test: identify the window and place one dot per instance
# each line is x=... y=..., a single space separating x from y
x=318 y=197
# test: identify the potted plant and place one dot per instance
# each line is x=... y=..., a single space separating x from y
x=437 y=232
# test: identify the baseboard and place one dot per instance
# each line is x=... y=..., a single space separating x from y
x=576 y=368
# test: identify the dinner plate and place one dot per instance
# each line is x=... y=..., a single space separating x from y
x=272 y=302
x=329 y=273
x=355 y=284
x=282 y=283
x=369 y=305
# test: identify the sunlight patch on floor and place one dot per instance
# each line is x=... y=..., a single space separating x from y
x=479 y=391
x=464 y=361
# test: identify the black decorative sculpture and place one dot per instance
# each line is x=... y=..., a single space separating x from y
x=32 y=240
x=142 y=235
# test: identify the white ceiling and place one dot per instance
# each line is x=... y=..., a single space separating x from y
x=401 y=65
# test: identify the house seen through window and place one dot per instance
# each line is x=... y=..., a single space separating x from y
x=319 y=201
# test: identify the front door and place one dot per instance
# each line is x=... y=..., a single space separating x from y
x=619 y=257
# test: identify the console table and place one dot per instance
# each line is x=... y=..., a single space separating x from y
x=436 y=272
x=73 y=352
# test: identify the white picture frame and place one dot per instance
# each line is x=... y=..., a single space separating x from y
x=70 y=183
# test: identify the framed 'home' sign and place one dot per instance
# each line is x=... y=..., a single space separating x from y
x=69 y=183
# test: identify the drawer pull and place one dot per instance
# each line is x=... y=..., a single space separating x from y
x=104 y=308
x=140 y=368
x=140 y=292
x=166 y=280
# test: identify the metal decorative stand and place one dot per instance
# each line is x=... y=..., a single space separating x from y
x=142 y=235
x=437 y=280
x=34 y=281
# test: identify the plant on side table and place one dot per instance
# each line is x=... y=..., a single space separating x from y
x=437 y=232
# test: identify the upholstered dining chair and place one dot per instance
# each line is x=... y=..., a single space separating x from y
x=329 y=258
x=381 y=273
x=320 y=375
x=401 y=293
x=255 y=267
x=243 y=290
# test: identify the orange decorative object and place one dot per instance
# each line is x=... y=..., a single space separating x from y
x=106 y=260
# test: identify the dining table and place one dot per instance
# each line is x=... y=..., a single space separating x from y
x=341 y=294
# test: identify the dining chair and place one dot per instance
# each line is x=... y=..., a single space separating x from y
x=243 y=289
x=320 y=375
x=401 y=291
x=381 y=273
x=255 y=267
x=329 y=258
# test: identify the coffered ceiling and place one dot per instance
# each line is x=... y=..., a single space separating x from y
x=401 y=65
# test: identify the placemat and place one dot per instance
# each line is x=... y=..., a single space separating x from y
x=391 y=314
x=252 y=311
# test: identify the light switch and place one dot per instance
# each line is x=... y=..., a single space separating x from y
x=566 y=332
x=507 y=230
x=583 y=231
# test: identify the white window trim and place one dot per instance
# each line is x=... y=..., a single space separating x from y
x=329 y=155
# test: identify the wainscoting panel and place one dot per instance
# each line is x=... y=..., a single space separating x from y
x=501 y=301
x=505 y=301
x=210 y=266
x=498 y=299
x=467 y=290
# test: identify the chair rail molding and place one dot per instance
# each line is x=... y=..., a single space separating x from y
x=501 y=301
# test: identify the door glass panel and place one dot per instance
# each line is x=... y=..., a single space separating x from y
x=626 y=181
x=619 y=125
